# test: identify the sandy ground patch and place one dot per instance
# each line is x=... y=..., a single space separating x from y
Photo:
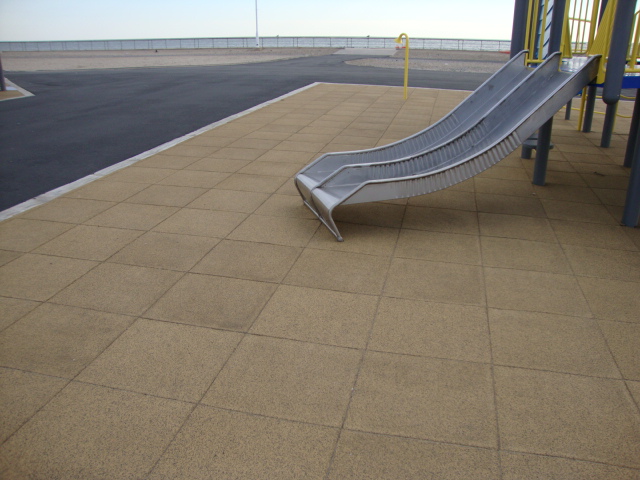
x=81 y=60
x=440 y=60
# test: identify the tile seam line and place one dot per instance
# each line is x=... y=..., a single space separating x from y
x=363 y=355
x=596 y=318
x=196 y=405
x=567 y=457
x=490 y=340
x=57 y=192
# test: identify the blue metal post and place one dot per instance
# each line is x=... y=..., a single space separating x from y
x=608 y=125
x=519 y=29
x=544 y=134
x=631 y=213
x=616 y=62
x=542 y=153
x=3 y=85
x=592 y=93
x=633 y=137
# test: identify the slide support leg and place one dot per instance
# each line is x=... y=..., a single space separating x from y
x=631 y=212
x=633 y=132
x=542 y=153
x=592 y=92
x=632 y=204
x=609 y=123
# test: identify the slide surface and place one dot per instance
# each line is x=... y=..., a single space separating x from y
x=458 y=120
x=481 y=131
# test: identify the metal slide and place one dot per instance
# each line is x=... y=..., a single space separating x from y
x=514 y=116
x=455 y=122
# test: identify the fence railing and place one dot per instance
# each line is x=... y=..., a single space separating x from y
x=250 y=42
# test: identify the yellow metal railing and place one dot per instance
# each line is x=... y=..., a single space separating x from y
x=602 y=42
x=532 y=31
x=536 y=29
x=602 y=39
x=583 y=34
x=582 y=24
x=565 y=44
x=635 y=46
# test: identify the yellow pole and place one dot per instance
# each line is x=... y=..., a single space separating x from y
x=406 y=60
x=593 y=23
x=533 y=20
x=636 y=44
x=583 y=103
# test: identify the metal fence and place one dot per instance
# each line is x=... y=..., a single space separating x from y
x=249 y=42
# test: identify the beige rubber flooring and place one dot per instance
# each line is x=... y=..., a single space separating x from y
x=187 y=318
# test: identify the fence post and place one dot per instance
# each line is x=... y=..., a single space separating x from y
x=3 y=85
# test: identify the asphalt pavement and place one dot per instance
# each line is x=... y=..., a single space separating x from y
x=79 y=122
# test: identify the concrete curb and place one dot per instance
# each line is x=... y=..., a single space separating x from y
x=53 y=194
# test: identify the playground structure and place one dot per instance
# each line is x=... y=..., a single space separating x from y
x=556 y=51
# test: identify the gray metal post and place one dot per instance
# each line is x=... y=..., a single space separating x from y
x=592 y=93
x=3 y=84
x=622 y=24
x=633 y=138
x=519 y=29
x=631 y=213
x=542 y=153
x=557 y=25
x=257 y=36
x=609 y=123
x=544 y=134
x=567 y=112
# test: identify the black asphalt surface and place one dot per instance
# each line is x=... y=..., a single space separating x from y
x=79 y=122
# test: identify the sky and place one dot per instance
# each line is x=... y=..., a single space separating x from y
x=29 y=20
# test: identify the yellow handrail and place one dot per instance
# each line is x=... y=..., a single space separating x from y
x=583 y=103
x=635 y=46
x=600 y=113
x=406 y=60
x=602 y=40
x=537 y=19
x=531 y=32
x=565 y=44
x=595 y=11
